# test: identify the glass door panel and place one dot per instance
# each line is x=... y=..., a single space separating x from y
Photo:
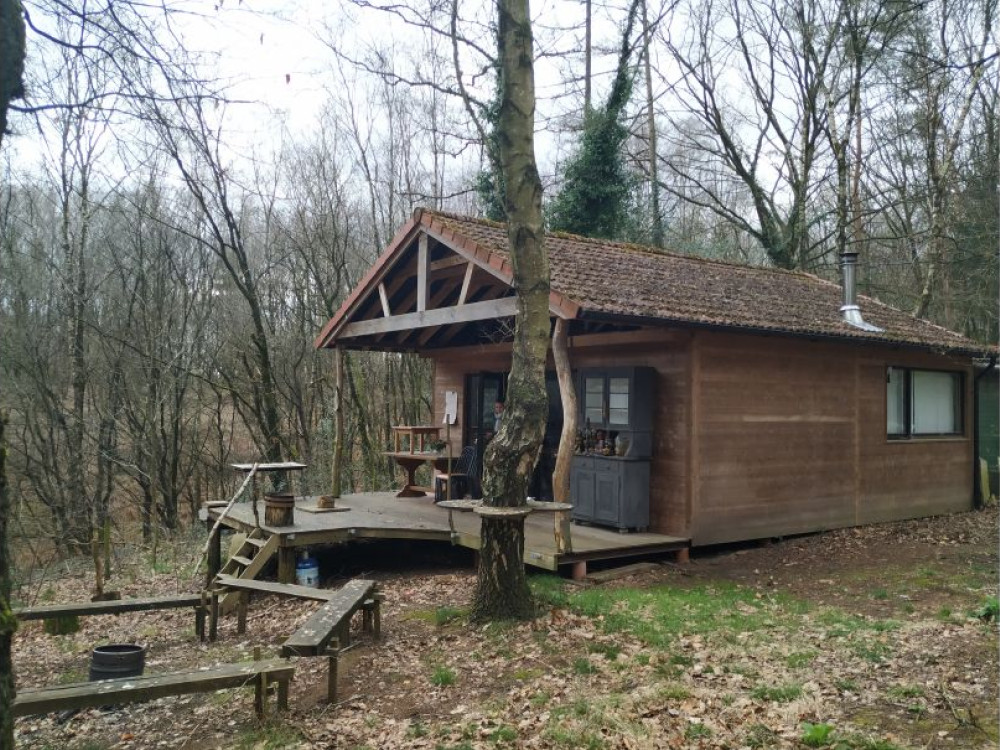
x=618 y=397
x=593 y=403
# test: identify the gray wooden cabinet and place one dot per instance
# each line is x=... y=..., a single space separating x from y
x=611 y=491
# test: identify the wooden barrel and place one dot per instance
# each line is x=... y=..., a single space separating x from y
x=117 y=660
x=279 y=509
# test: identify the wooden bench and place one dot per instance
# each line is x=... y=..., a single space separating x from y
x=246 y=586
x=327 y=632
x=260 y=674
x=119 y=606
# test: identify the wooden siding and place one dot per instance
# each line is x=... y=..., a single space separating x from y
x=764 y=436
x=666 y=351
x=790 y=438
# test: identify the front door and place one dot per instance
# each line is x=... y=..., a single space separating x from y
x=482 y=390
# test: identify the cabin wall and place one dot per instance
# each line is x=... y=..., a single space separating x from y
x=789 y=436
x=666 y=351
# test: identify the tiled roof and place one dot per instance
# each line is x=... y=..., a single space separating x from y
x=630 y=280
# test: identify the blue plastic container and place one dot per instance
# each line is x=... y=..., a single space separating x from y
x=307 y=571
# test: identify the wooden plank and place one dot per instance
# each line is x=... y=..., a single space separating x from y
x=147 y=687
x=466 y=280
x=227 y=603
x=423 y=258
x=115 y=607
x=613 y=574
x=498 y=308
x=282 y=466
x=450 y=262
x=316 y=633
x=384 y=298
x=279 y=589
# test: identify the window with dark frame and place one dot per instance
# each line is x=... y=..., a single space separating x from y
x=923 y=403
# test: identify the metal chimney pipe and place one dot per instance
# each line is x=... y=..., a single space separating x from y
x=850 y=310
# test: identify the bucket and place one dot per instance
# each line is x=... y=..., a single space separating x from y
x=117 y=660
x=307 y=572
x=279 y=509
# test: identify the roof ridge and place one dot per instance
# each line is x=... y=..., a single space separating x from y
x=632 y=247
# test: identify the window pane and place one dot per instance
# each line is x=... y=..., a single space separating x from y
x=895 y=402
x=935 y=403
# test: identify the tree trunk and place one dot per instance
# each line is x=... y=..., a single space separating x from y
x=656 y=236
x=567 y=439
x=502 y=589
x=8 y=623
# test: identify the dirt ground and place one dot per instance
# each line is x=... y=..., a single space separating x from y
x=872 y=635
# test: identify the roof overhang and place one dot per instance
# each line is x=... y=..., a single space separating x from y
x=431 y=288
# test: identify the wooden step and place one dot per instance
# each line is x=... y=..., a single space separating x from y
x=244 y=561
x=258 y=543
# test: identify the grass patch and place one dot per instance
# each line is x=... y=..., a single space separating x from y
x=443 y=677
x=673 y=693
x=880 y=594
x=608 y=650
x=800 y=659
x=584 y=666
x=269 y=737
x=658 y=615
x=503 y=735
x=761 y=736
x=776 y=693
x=696 y=732
x=989 y=611
x=872 y=651
x=816 y=735
x=906 y=691
x=549 y=590
x=846 y=686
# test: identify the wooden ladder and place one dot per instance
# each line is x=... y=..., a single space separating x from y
x=245 y=564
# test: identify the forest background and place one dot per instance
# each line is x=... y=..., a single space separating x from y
x=170 y=245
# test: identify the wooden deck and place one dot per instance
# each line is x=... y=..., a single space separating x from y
x=382 y=515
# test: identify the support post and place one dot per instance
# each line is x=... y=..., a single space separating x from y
x=199 y=617
x=567 y=392
x=682 y=555
x=286 y=564
x=580 y=570
x=214 y=553
x=338 y=430
x=213 y=626
x=283 y=695
x=241 y=611
x=332 y=670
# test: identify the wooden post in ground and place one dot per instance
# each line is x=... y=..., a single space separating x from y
x=682 y=555
x=338 y=431
x=331 y=675
x=286 y=564
x=241 y=612
x=567 y=392
x=580 y=570
x=213 y=620
x=214 y=553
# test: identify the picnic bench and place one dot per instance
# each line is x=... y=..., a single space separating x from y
x=327 y=632
x=262 y=675
x=120 y=606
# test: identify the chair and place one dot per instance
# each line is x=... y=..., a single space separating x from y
x=462 y=476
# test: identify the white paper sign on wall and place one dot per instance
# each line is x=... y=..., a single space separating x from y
x=450 y=407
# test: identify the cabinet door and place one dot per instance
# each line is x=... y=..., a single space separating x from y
x=593 y=399
x=619 y=390
x=607 y=496
x=582 y=494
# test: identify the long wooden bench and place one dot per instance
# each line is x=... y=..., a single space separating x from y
x=225 y=583
x=327 y=632
x=119 y=606
x=260 y=674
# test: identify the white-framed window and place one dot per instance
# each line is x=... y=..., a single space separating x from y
x=923 y=403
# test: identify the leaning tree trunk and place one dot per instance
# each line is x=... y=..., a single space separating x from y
x=11 y=87
x=8 y=623
x=502 y=589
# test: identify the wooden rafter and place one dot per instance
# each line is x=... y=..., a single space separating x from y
x=499 y=308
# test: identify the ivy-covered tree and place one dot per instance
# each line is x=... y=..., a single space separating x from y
x=596 y=196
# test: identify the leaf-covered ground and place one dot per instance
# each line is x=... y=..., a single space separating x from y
x=862 y=638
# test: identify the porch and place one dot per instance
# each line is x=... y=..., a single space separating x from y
x=382 y=515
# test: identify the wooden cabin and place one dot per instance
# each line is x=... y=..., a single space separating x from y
x=735 y=402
